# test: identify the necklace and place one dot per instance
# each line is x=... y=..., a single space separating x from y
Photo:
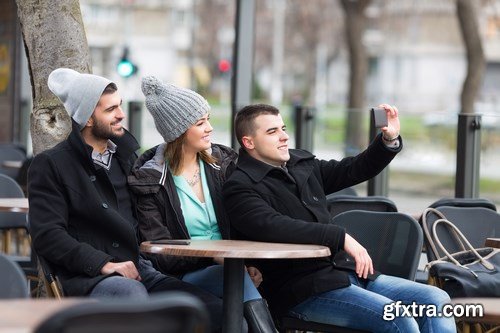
x=195 y=179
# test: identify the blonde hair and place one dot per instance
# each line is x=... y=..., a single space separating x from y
x=174 y=154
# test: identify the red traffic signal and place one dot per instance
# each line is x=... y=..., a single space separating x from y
x=224 y=65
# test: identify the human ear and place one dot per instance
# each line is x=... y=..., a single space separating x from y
x=90 y=122
x=248 y=142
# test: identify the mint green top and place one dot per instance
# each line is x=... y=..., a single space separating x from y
x=200 y=218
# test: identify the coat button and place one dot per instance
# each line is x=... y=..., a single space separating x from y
x=115 y=244
x=92 y=178
x=315 y=198
x=104 y=205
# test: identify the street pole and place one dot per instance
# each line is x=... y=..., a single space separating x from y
x=241 y=83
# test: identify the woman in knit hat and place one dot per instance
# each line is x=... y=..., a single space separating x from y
x=178 y=190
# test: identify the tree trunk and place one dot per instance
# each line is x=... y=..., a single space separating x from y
x=467 y=18
x=54 y=36
x=355 y=23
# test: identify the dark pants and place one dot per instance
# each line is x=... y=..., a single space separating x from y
x=153 y=281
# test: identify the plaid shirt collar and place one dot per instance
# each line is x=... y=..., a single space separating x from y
x=104 y=159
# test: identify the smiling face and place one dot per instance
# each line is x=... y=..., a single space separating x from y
x=106 y=121
x=269 y=141
x=198 y=136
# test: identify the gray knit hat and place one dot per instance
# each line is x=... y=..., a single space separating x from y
x=79 y=93
x=174 y=109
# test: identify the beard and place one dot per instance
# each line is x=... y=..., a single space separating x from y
x=104 y=131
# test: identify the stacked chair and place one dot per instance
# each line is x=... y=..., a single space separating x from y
x=345 y=191
x=15 y=223
x=11 y=152
x=342 y=203
x=476 y=218
x=464 y=202
x=12 y=279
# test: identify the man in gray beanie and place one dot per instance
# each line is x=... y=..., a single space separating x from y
x=82 y=215
x=79 y=93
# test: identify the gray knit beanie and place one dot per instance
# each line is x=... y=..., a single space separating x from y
x=79 y=93
x=174 y=109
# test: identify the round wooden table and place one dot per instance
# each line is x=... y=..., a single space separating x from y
x=24 y=315
x=14 y=205
x=12 y=164
x=234 y=252
x=491 y=308
x=492 y=242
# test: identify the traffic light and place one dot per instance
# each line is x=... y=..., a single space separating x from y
x=125 y=67
x=224 y=65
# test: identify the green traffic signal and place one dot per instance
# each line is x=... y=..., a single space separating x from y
x=125 y=67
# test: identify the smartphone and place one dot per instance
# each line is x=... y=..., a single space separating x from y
x=379 y=117
x=171 y=241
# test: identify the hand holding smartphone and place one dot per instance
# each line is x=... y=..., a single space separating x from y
x=171 y=241
x=379 y=117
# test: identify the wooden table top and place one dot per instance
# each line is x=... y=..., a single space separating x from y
x=493 y=242
x=14 y=205
x=24 y=315
x=12 y=164
x=238 y=249
x=491 y=306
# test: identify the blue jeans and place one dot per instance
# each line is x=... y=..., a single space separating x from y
x=361 y=306
x=211 y=279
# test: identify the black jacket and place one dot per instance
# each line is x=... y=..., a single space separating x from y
x=159 y=209
x=74 y=219
x=266 y=203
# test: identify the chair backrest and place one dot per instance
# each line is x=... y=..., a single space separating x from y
x=10 y=189
x=10 y=153
x=464 y=202
x=13 y=283
x=393 y=240
x=14 y=145
x=172 y=312
x=476 y=223
x=342 y=203
x=344 y=191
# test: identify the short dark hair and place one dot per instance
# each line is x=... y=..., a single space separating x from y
x=110 y=88
x=244 y=120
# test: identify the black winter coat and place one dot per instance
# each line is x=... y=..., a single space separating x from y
x=74 y=218
x=159 y=210
x=265 y=203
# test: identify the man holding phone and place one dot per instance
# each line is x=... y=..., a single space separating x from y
x=278 y=195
